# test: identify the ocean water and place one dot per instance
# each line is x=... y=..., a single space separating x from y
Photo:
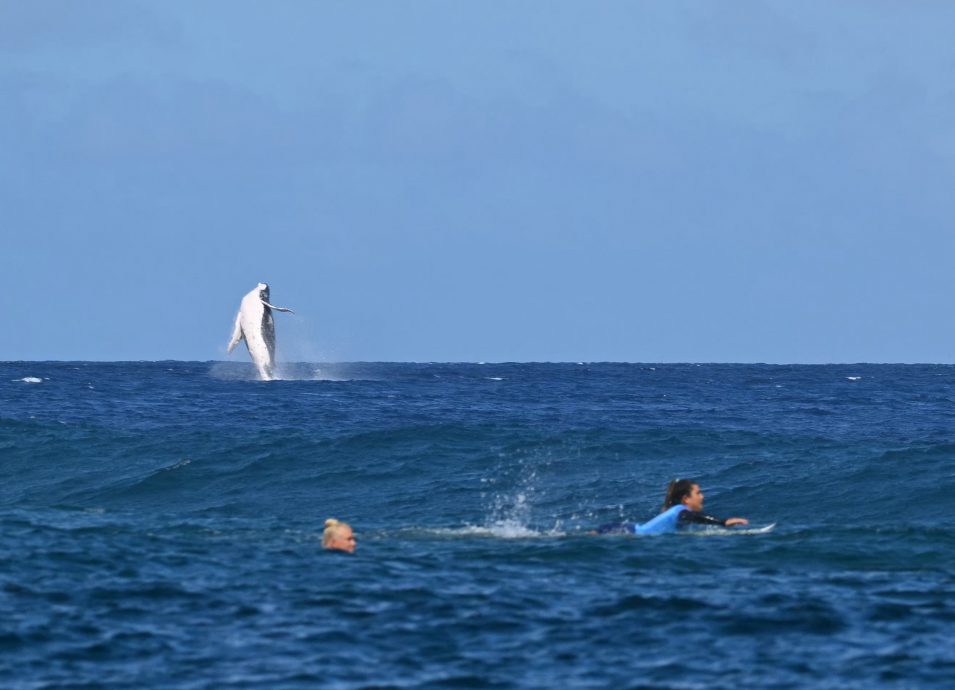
x=160 y=526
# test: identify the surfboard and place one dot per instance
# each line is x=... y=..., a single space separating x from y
x=756 y=530
x=710 y=531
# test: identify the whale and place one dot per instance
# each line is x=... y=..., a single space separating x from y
x=255 y=325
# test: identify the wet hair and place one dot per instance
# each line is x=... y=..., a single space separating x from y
x=677 y=490
x=331 y=528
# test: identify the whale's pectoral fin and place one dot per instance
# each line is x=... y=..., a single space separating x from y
x=236 y=333
x=277 y=308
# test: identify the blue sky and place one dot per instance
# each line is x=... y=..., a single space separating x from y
x=480 y=181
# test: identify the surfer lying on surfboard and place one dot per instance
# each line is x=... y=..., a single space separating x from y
x=683 y=506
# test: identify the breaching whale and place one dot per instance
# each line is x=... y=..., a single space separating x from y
x=255 y=324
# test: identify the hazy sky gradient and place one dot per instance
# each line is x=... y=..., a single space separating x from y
x=480 y=181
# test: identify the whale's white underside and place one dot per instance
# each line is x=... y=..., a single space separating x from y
x=255 y=325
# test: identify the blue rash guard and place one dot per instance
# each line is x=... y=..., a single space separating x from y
x=668 y=521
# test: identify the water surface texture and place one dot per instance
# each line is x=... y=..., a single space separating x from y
x=160 y=526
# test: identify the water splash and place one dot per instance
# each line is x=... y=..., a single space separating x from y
x=312 y=371
x=496 y=531
x=284 y=371
x=513 y=494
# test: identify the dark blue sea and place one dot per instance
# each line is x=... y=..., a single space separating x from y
x=160 y=526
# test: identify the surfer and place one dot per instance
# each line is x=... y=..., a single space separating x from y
x=338 y=536
x=683 y=506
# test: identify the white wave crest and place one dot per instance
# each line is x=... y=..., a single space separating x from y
x=500 y=530
x=734 y=532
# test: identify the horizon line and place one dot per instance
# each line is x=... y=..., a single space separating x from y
x=479 y=362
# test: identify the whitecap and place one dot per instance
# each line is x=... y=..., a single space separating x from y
x=31 y=379
x=735 y=531
x=853 y=378
x=499 y=530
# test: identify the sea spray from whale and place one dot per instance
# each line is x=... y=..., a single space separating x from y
x=255 y=325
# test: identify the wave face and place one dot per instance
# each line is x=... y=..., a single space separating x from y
x=161 y=526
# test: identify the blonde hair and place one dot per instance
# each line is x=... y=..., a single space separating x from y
x=331 y=529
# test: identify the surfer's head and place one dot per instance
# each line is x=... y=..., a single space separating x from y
x=684 y=492
x=338 y=536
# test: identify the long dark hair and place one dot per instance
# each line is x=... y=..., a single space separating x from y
x=677 y=490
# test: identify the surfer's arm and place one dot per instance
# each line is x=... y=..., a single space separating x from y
x=236 y=333
x=697 y=518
